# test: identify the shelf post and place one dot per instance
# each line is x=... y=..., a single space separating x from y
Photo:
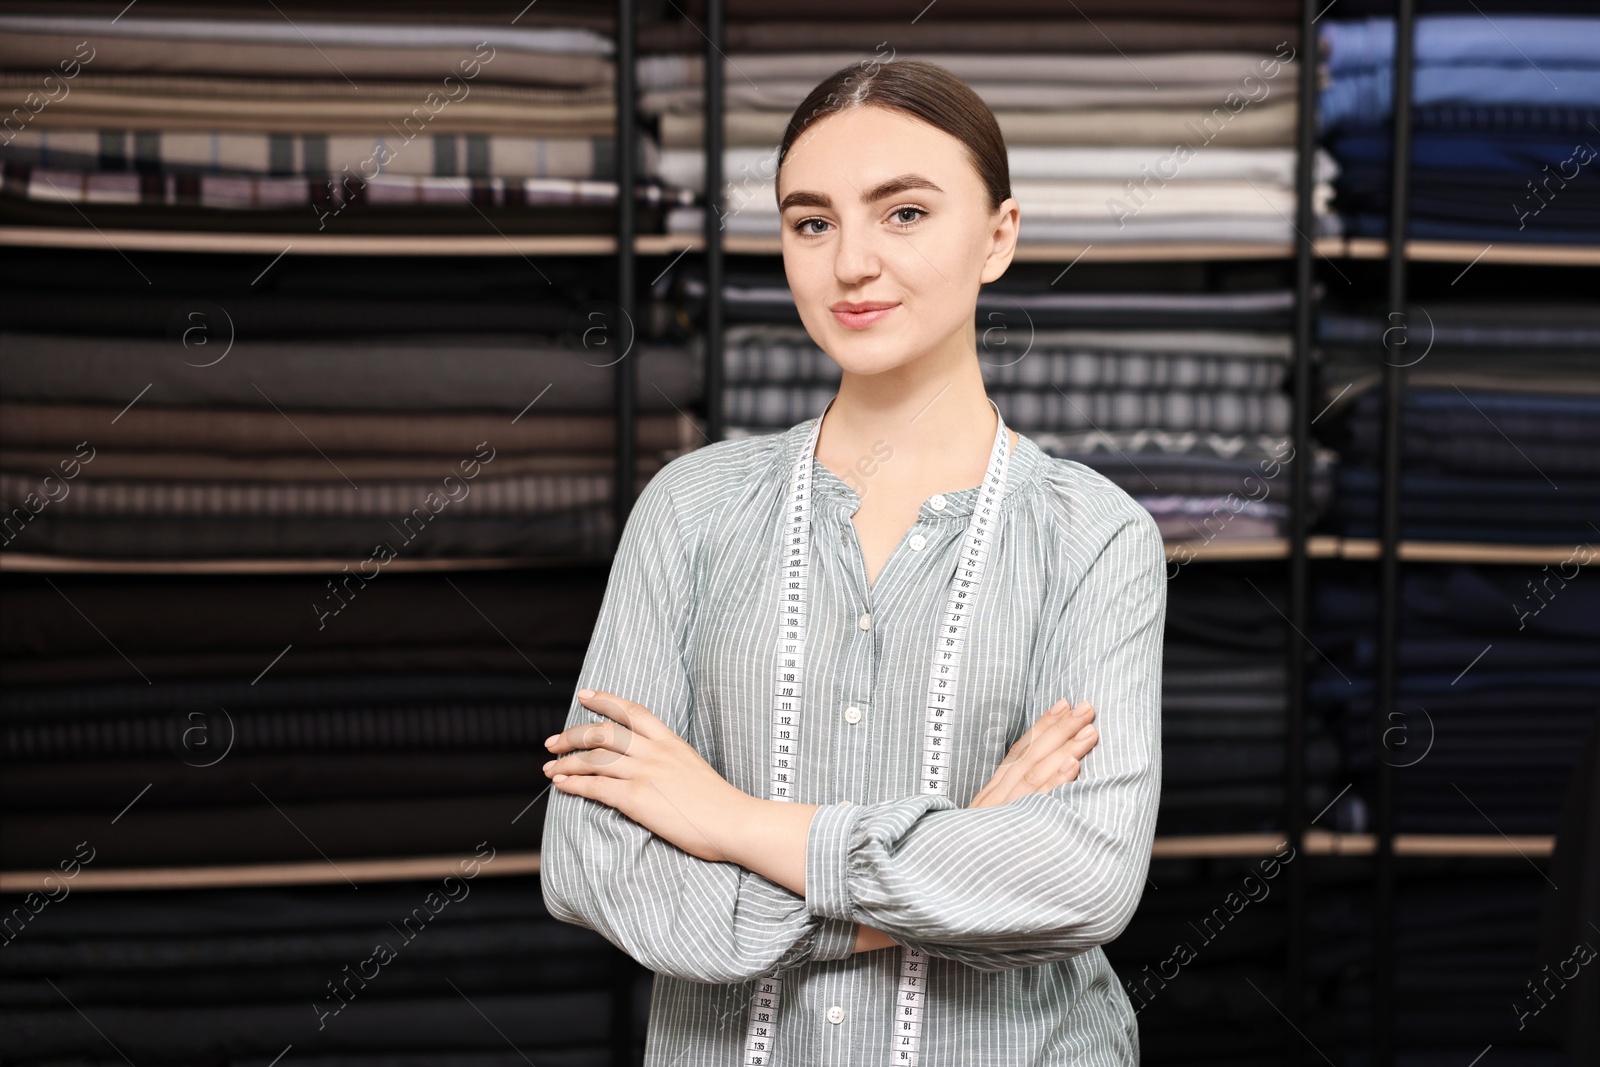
x=1394 y=337
x=713 y=221
x=625 y=330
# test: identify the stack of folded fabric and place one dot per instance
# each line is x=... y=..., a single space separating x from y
x=1179 y=397
x=464 y=969
x=1465 y=952
x=1475 y=640
x=1506 y=114
x=378 y=449
x=281 y=718
x=1223 y=703
x=1170 y=122
x=335 y=120
x=1501 y=422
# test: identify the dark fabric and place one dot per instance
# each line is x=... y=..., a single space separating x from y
x=198 y=976
x=1571 y=912
x=540 y=610
x=586 y=534
x=268 y=831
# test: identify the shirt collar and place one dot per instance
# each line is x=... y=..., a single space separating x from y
x=829 y=491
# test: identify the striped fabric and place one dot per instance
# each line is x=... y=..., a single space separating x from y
x=1012 y=902
x=1219 y=411
x=531 y=494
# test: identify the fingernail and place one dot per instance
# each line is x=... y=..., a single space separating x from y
x=586 y=693
x=1058 y=709
x=550 y=740
x=548 y=764
x=559 y=778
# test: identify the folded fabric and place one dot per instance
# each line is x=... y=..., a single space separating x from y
x=754 y=10
x=1111 y=33
x=1533 y=325
x=1537 y=154
x=412 y=504
x=485 y=372
x=1224 y=412
x=765 y=298
x=224 y=151
x=587 y=534
x=784 y=354
x=318 y=104
x=325 y=196
x=1148 y=168
x=1462 y=40
x=1264 y=227
x=408 y=435
x=1251 y=125
x=1365 y=96
x=409 y=220
x=545 y=612
x=220 y=473
x=568 y=55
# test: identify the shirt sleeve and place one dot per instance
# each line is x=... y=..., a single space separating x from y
x=1049 y=875
x=675 y=913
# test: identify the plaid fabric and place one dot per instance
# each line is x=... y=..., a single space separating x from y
x=526 y=495
x=244 y=152
x=243 y=192
x=1014 y=366
x=1223 y=412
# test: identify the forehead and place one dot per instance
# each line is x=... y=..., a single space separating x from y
x=868 y=144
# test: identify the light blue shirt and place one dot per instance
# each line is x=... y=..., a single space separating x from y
x=1011 y=902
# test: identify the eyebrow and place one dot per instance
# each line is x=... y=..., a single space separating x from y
x=892 y=187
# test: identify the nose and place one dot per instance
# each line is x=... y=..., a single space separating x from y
x=856 y=257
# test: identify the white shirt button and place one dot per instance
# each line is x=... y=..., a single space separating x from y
x=937 y=502
x=836 y=1014
x=852 y=715
x=865 y=622
x=918 y=542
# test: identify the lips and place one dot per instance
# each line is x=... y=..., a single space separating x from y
x=860 y=316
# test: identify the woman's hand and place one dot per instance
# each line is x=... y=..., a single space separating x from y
x=638 y=766
x=1044 y=757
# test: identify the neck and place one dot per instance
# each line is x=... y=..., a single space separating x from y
x=933 y=414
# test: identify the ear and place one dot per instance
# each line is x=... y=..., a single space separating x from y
x=1003 y=247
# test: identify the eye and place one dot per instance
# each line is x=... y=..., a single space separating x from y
x=898 y=213
x=799 y=227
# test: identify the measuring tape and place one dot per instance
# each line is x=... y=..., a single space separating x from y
x=788 y=698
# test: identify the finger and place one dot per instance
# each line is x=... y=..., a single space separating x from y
x=605 y=790
x=1049 y=733
x=597 y=761
x=585 y=735
x=633 y=715
x=1082 y=742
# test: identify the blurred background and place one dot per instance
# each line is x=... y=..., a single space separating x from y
x=331 y=361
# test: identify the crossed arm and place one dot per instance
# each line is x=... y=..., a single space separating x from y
x=636 y=765
x=648 y=845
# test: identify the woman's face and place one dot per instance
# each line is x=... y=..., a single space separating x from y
x=882 y=209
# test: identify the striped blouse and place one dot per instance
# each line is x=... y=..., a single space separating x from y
x=1011 y=903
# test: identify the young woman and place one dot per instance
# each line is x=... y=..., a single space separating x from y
x=824 y=775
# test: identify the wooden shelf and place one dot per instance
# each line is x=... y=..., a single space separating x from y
x=1458 y=552
x=1470 y=252
x=1319 y=546
x=407 y=868
x=413 y=868
x=38 y=563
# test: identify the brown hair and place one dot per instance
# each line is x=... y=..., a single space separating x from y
x=924 y=91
